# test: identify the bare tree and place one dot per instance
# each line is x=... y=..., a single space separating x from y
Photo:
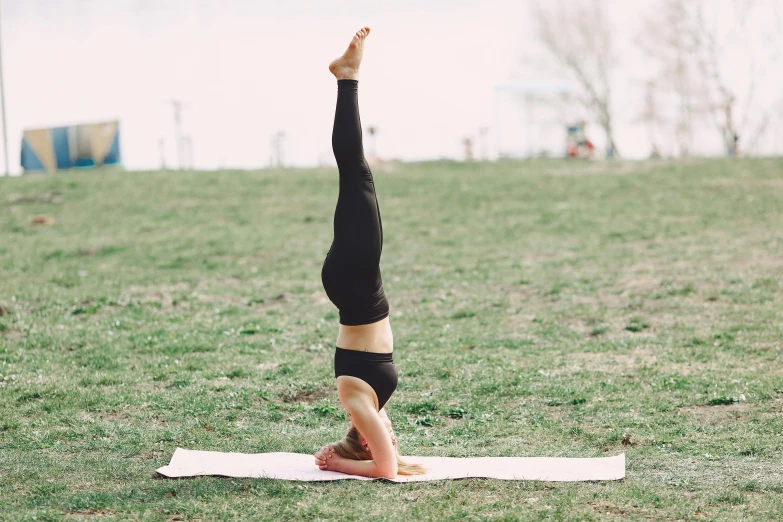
x=693 y=52
x=665 y=39
x=651 y=117
x=578 y=36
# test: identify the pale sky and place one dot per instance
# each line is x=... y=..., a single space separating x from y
x=247 y=69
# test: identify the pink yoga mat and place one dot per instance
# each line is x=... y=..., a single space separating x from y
x=298 y=466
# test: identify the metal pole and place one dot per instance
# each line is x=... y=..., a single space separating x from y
x=178 y=130
x=2 y=102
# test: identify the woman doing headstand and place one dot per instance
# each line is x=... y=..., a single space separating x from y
x=363 y=365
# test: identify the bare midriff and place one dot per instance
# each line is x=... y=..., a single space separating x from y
x=376 y=337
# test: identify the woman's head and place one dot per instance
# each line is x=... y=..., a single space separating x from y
x=355 y=447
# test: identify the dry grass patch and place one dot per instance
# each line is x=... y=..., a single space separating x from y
x=622 y=361
x=13 y=334
x=148 y=455
x=308 y=395
x=716 y=415
x=89 y=514
x=164 y=295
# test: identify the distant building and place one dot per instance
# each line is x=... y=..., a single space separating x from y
x=88 y=145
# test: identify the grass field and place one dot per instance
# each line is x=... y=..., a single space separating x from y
x=539 y=309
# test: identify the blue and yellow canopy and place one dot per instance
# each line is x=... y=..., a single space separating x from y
x=86 y=145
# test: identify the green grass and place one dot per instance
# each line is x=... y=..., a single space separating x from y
x=539 y=309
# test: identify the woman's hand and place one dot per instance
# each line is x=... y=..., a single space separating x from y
x=327 y=460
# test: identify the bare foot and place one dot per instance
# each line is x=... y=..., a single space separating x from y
x=346 y=67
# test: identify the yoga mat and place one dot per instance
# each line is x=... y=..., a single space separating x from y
x=298 y=466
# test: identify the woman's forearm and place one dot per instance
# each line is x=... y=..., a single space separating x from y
x=363 y=468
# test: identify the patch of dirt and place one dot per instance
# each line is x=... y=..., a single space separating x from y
x=147 y=455
x=163 y=294
x=220 y=299
x=268 y=366
x=555 y=412
x=147 y=386
x=517 y=323
x=47 y=197
x=593 y=360
x=13 y=334
x=5 y=310
x=613 y=300
x=757 y=262
x=641 y=275
x=89 y=252
x=88 y=514
x=716 y=415
x=85 y=417
x=119 y=418
x=623 y=362
x=133 y=415
x=607 y=508
x=307 y=395
x=628 y=441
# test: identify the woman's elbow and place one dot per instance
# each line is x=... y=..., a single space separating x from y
x=388 y=471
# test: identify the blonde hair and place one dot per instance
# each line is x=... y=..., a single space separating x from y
x=351 y=448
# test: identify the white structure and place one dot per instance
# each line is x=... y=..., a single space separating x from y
x=531 y=118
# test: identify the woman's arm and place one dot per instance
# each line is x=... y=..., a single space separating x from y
x=363 y=468
x=388 y=425
x=371 y=426
x=374 y=430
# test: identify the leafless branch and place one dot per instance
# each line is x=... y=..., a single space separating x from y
x=578 y=36
x=692 y=52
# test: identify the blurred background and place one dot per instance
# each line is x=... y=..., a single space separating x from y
x=244 y=84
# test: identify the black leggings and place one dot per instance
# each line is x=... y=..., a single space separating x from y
x=351 y=274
